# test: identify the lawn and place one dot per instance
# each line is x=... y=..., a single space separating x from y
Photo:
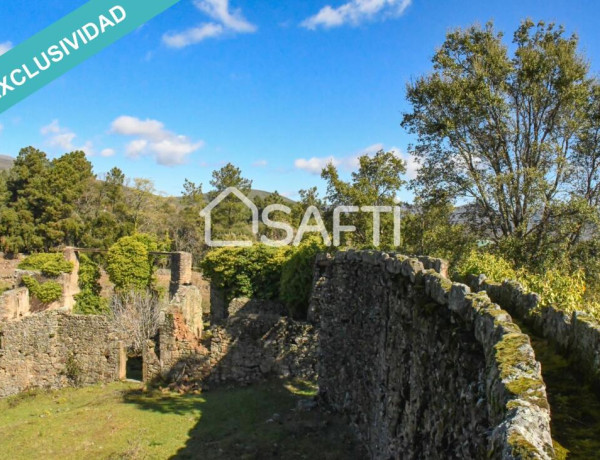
x=122 y=421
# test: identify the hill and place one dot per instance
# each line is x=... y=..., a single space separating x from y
x=6 y=162
x=263 y=194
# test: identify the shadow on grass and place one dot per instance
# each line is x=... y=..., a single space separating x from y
x=256 y=422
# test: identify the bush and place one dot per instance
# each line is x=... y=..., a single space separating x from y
x=560 y=290
x=129 y=264
x=47 y=292
x=297 y=277
x=246 y=272
x=492 y=266
x=564 y=291
x=88 y=301
x=51 y=265
x=137 y=314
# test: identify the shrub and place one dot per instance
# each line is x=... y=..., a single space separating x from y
x=246 y=272
x=47 y=292
x=50 y=264
x=562 y=290
x=297 y=277
x=137 y=313
x=129 y=264
x=477 y=263
x=89 y=301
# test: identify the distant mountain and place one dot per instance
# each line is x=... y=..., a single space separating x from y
x=6 y=162
x=262 y=194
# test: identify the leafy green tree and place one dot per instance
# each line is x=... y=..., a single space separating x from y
x=376 y=183
x=514 y=133
x=428 y=229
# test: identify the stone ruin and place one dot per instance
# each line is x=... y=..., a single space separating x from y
x=421 y=367
x=50 y=347
x=16 y=304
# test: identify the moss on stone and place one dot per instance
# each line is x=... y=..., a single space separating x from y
x=509 y=352
x=561 y=453
x=521 y=448
x=526 y=385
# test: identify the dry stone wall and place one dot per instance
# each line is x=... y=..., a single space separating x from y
x=252 y=343
x=55 y=349
x=577 y=334
x=422 y=367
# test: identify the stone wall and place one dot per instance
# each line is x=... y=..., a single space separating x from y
x=179 y=335
x=252 y=343
x=54 y=349
x=14 y=304
x=422 y=367
x=181 y=271
x=250 y=347
x=577 y=334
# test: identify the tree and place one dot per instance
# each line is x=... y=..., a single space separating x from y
x=512 y=134
x=64 y=182
x=270 y=199
x=188 y=234
x=42 y=195
x=231 y=218
x=376 y=183
x=24 y=186
x=428 y=229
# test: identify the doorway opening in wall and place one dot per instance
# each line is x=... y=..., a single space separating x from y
x=134 y=368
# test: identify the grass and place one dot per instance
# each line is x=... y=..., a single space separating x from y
x=122 y=421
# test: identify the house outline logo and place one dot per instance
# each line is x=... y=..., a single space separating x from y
x=207 y=214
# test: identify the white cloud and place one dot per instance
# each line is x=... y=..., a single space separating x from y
x=315 y=165
x=225 y=20
x=131 y=126
x=356 y=12
x=1 y=128
x=219 y=11
x=5 y=47
x=62 y=138
x=192 y=36
x=153 y=139
x=108 y=153
x=260 y=163
x=351 y=163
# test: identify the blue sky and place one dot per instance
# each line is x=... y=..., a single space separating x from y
x=277 y=88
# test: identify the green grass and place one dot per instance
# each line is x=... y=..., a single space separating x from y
x=123 y=421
